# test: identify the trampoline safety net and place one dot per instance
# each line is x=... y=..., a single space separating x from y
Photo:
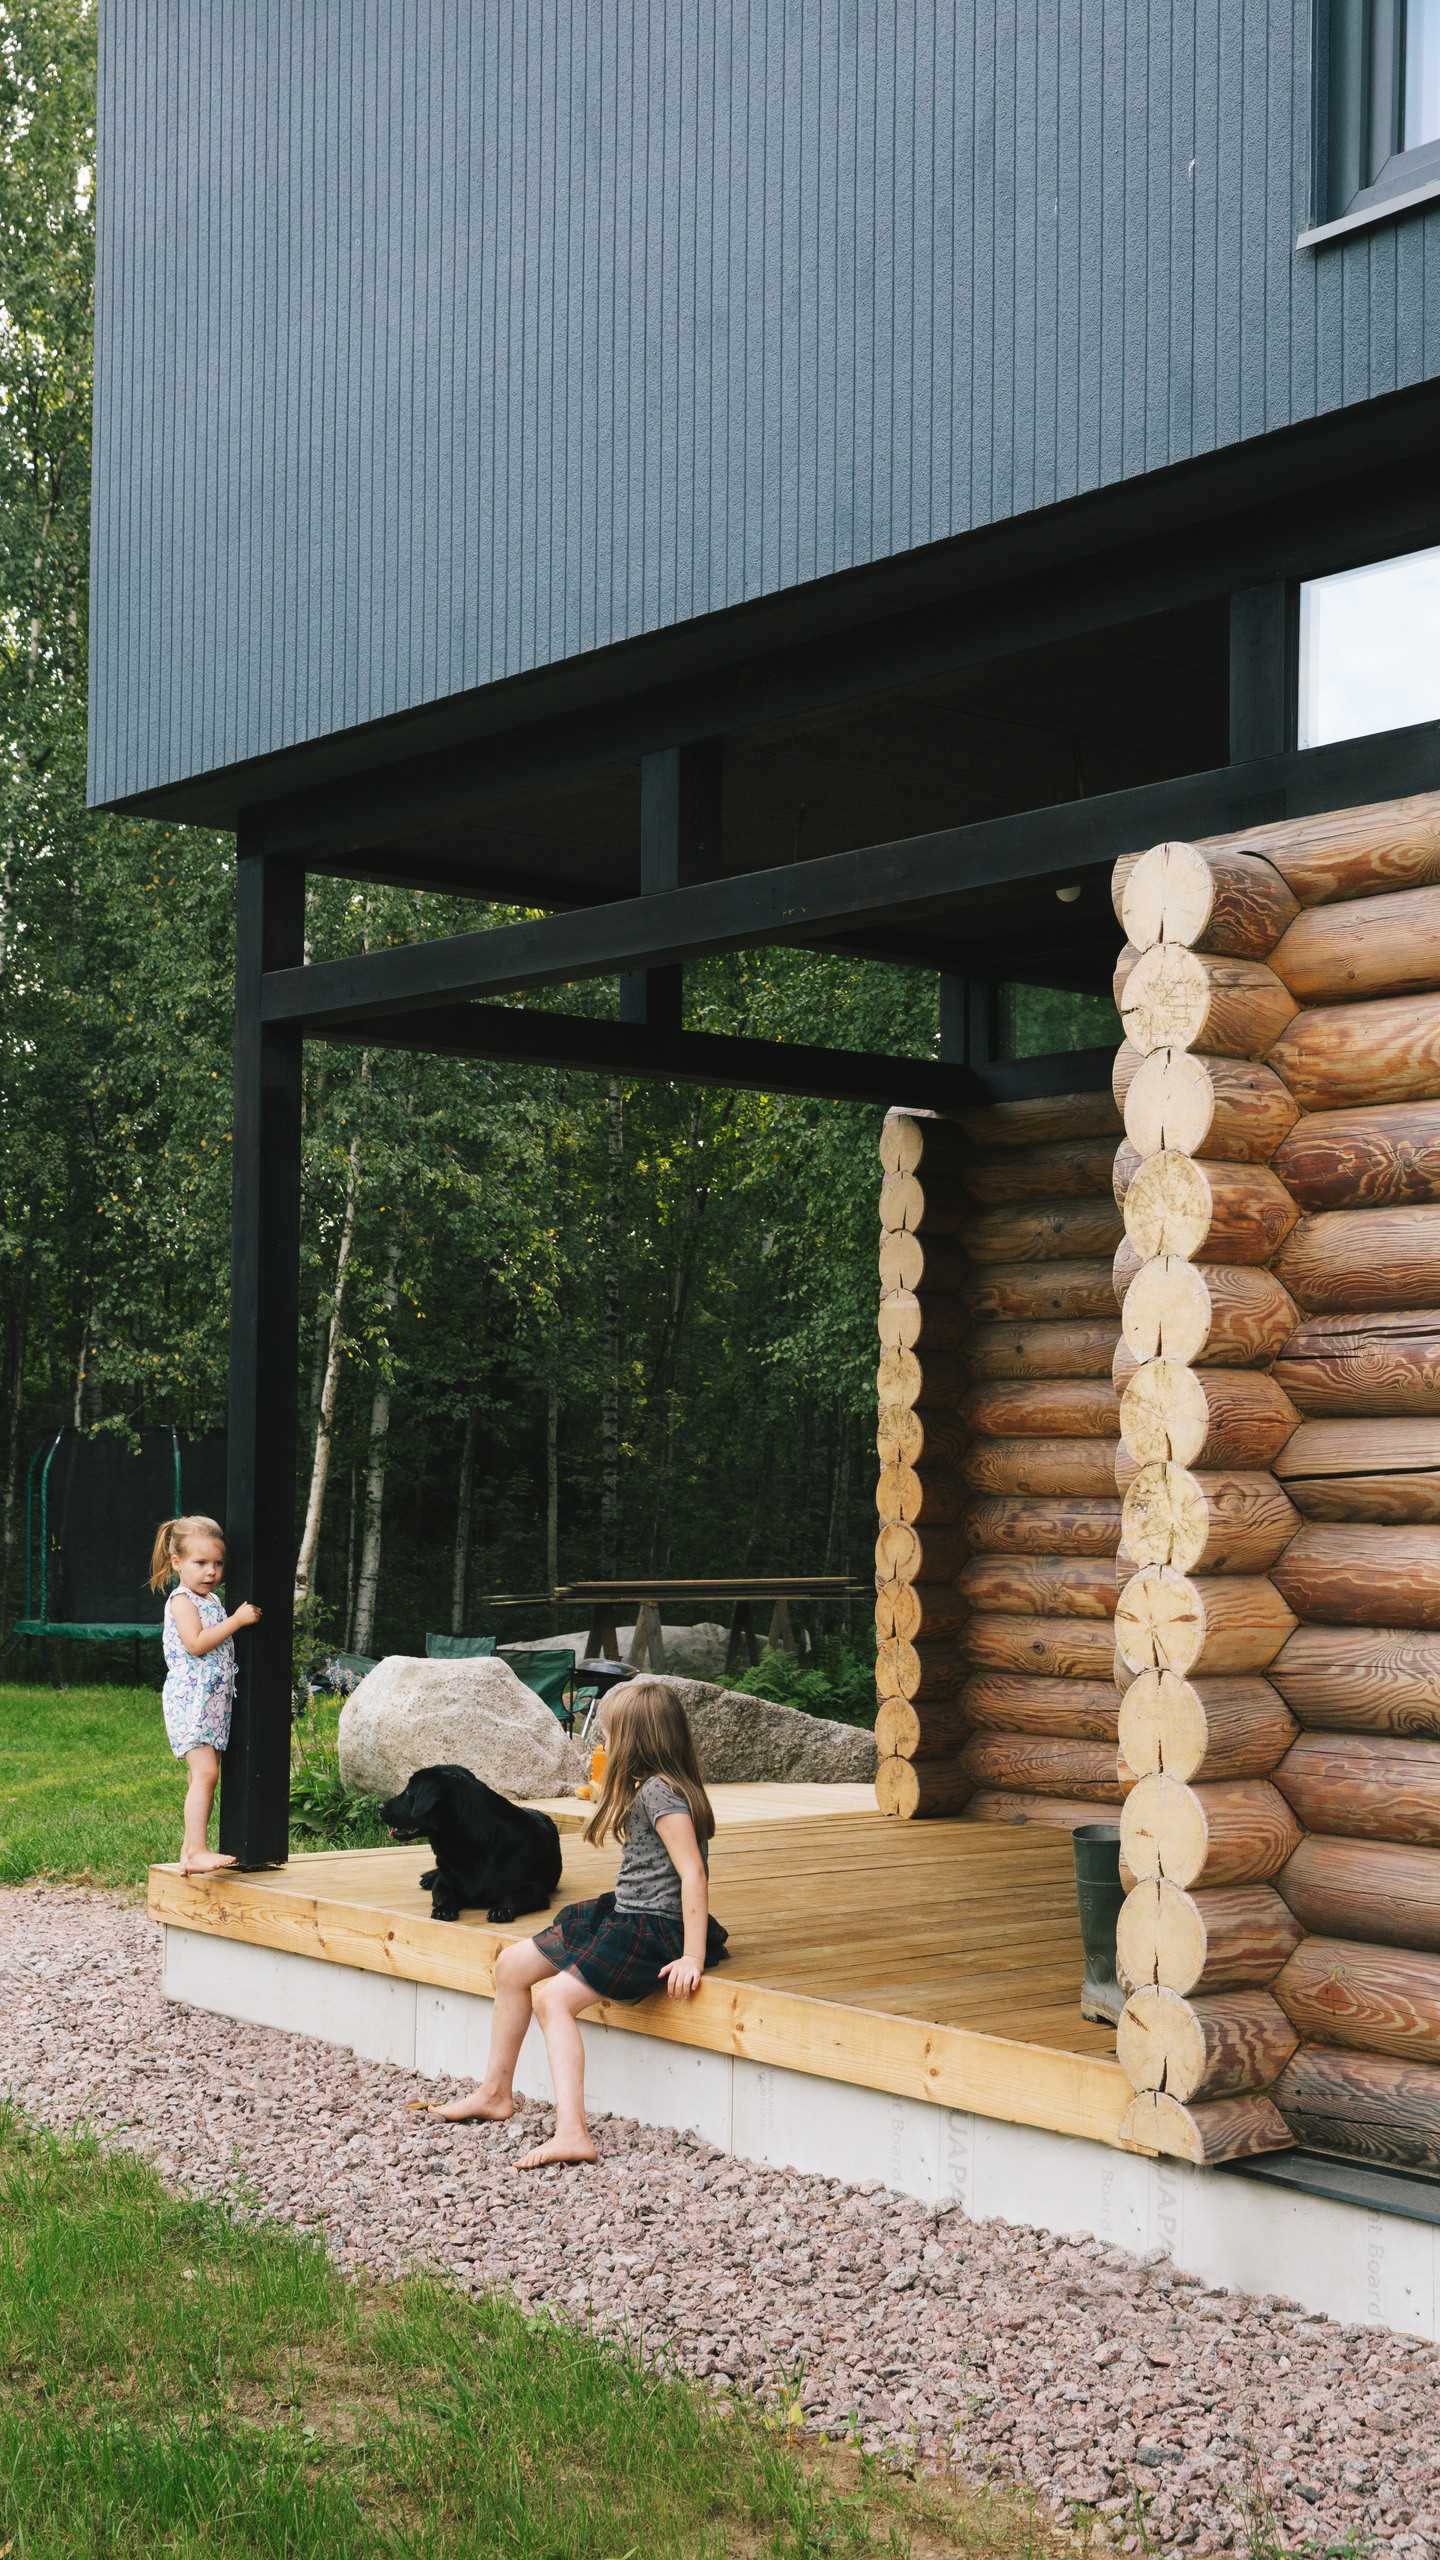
x=92 y=1505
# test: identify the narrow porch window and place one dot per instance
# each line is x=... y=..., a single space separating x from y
x=1370 y=649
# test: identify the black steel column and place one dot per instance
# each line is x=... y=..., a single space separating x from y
x=968 y=1020
x=264 y=1328
x=679 y=843
x=1264 y=671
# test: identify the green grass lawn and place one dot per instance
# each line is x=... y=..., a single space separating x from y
x=175 y=2380
x=88 y=1787
x=87 y=1784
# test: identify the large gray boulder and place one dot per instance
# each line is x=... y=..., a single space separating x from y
x=409 y=1712
x=752 y=1741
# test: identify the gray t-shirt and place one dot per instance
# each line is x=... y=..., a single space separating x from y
x=648 y=1879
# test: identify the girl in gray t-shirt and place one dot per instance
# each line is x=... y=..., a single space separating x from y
x=653 y=1931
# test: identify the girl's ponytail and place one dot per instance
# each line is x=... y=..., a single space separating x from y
x=161 y=1566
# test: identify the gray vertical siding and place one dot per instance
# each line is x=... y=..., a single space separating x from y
x=440 y=341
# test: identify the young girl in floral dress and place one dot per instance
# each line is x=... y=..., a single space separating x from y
x=199 y=1642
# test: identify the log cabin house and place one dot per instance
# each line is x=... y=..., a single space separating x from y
x=958 y=485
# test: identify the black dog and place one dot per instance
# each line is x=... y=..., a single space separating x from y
x=489 y=1852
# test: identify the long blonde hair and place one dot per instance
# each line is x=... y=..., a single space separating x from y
x=647 y=1736
x=172 y=1539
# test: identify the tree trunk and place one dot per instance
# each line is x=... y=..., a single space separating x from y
x=82 y=1365
x=375 y=1471
x=613 y=1347
x=15 y=1328
x=350 y=1559
x=460 y=1569
x=330 y=1384
x=836 y=1541
x=552 y=1487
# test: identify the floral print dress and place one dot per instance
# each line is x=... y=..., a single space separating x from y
x=199 y=1688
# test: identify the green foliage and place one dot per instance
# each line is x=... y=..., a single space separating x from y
x=840 y=1683
x=277 y=2407
x=324 y=1812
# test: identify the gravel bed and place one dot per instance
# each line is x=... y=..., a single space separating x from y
x=1008 y=2354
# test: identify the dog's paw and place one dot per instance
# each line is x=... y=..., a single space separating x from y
x=444 y=1910
x=430 y=1879
x=501 y=1912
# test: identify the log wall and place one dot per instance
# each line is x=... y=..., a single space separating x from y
x=996 y=1578
x=1280 y=1470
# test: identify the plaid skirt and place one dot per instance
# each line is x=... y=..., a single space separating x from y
x=619 y=1953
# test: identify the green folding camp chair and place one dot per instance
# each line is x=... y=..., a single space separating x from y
x=548 y=1671
x=458 y=1648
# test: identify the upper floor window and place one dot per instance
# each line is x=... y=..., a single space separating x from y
x=1379 y=94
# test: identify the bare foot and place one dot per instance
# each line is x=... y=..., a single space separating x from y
x=478 y=2105
x=575 y=2152
x=203 y=1862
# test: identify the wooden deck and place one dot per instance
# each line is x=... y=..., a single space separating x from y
x=937 y=1960
x=737 y=1805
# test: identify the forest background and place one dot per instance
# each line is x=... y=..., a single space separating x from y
x=552 y=1326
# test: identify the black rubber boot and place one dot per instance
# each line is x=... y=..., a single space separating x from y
x=1100 y=1894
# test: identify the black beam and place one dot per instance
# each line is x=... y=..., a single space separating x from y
x=456 y=875
x=871 y=885
x=679 y=843
x=597 y=1045
x=264 y=1326
x=630 y=1049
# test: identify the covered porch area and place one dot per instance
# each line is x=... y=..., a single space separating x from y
x=900 y=2007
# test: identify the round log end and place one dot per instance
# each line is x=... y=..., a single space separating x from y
x=1220 y=2129
x=1160 y=1937
x=1168 y=1205
x=1164 y=1414
x=897 y=1788
x=1159 y=1621
x=1160 y=2043
x=1167 y=1311
x=1165 y=999
x=1163 y=1832
x=1163 y=1726
x=1168 y=897
x=1165 y=1518
x=1169 y=1102
x=902 y=1142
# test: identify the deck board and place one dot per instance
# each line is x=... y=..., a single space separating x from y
x=936 y=1959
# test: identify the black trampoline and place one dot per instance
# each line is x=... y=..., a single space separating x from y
x=92 y=1505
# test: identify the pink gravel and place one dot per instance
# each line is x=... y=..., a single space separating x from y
x=1007 y=2354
